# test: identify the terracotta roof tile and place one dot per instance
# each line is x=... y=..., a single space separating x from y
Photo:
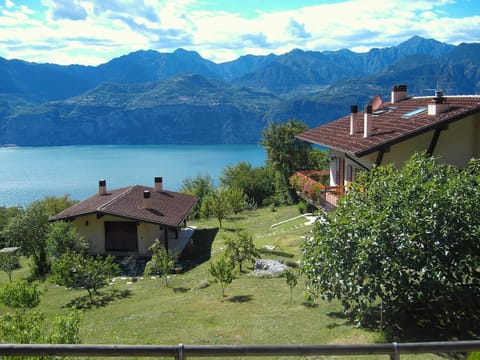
x=167 y=207
x=389 y=126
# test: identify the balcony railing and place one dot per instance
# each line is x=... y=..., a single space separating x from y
x=314 y=191
x=181 y=352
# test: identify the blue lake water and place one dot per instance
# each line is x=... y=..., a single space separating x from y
x=31 y=173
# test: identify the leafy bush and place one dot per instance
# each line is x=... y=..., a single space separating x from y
x=407 y=239
x=20 y=294
x=302 y=207
x=29 y=328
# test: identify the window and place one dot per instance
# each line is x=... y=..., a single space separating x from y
x=414 y=112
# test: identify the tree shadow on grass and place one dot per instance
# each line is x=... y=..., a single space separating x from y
x=417 y=325
x=413 y=328
x=181 y=290
x=241 y=298
x=99 y=300
x=199 y=249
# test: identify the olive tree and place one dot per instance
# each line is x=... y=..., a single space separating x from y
x=405 y=242
x=218 y=205
x=162 y=261
x=9 y=261
x=241 y=247
x=81 y=271
x=222 y=271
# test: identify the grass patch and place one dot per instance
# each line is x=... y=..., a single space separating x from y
x=190 y=311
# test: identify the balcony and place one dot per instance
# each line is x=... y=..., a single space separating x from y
x=313 y=187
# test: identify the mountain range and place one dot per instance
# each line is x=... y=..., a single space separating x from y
x=148 y=97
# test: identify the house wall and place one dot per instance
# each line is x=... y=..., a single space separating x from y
x=456 y=145
x=459 y=143
x=351 y=166
x=93 y=230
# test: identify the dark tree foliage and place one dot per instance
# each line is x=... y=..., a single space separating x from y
x=201 y=186
x=286 y=154
x=256 y=182
x=6 y=213
x=29 y=231
x=406 y=243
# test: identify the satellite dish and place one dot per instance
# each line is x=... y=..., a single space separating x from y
x=376 y=102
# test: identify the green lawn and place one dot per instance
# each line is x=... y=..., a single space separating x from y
x=254 y=311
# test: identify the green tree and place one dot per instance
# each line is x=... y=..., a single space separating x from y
x=286 y=154
x=77 y=270
x=256 y=182
x=222 y=271
x=162 y=261
x=201 y=186
x=218 y=205
x=29 y=231
x=53 y=204
x=237 y=199
x=9 y=261
x=291 y=276
x=406 y=241
x=241 y=248
x=20 y=294
x=6 y=213
x=62 y=238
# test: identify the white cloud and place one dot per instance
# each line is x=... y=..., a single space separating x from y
x=93 y=31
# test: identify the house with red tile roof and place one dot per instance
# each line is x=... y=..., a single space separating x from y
x=447 y=127
x=127 y=220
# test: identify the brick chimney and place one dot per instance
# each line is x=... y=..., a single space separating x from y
x=399 y=93
x=367 y=121
x=147 y=202
x=102 y=187
x=158 y=183
x=353 y=119
x=438 y=104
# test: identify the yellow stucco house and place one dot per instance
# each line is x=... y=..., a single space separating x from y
x=127 y=220
x=447 y=127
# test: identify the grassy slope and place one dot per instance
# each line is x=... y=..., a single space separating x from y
x=255 y=311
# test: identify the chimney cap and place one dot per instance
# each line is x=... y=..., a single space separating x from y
x=354 y=109
x=102 y=182
x=146 y=194
x=399 y=87
x=368 y=109
x=158 y=179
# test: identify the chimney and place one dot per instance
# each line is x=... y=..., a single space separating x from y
x=367 y=121
x=102 y=187
x=438 y=104
x=399 y=93
x=158 y=183
x=147 y=202
x=353 y=119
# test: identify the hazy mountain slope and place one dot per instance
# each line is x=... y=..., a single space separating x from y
x=148 y=97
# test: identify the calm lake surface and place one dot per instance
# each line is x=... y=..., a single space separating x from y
x=30 y=173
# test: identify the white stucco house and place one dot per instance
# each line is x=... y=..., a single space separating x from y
x=447 y=127
x=127 y=220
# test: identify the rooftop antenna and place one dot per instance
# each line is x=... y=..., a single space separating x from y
x=438 y=89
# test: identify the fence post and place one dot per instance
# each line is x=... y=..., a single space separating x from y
x=181 y=355
x=396 y=353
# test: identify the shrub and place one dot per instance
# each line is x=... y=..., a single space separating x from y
x=20 y=294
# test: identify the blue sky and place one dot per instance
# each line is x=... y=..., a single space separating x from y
x=92 y=32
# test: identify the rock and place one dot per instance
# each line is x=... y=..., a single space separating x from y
x=267 y=267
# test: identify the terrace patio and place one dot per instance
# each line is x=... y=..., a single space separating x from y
x=312 y=186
